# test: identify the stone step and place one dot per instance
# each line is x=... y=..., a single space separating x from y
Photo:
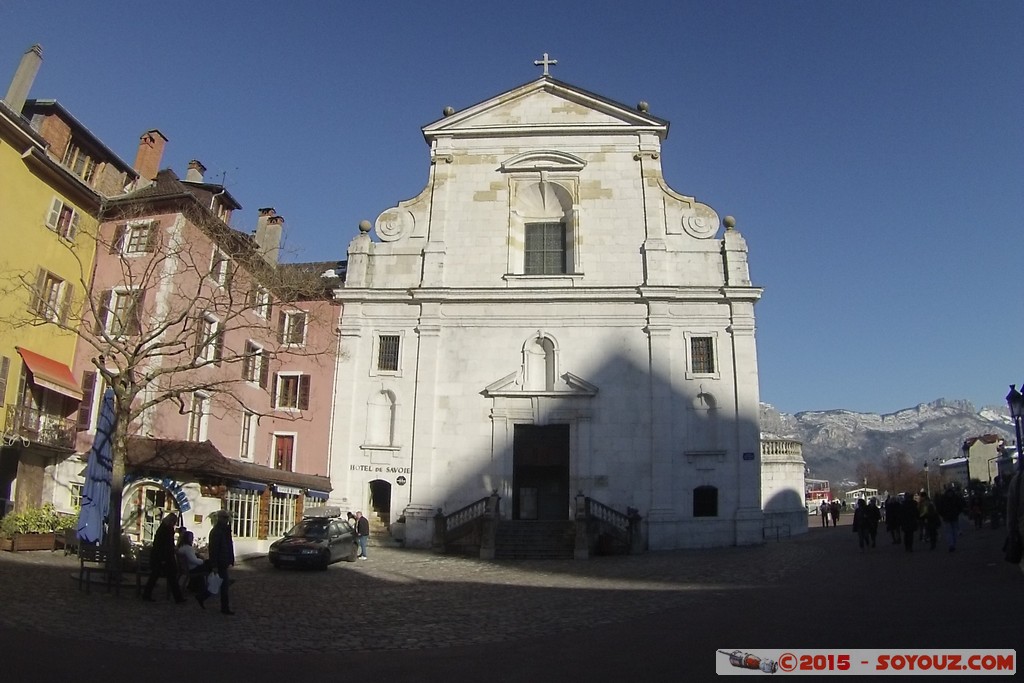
x=534 y=539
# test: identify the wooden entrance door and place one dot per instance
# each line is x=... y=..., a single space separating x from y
x=540 y=472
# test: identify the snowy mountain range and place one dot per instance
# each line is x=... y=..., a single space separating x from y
x=835 y=441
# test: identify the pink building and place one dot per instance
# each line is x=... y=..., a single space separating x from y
x=237 y=360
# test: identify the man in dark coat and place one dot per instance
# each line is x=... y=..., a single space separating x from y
x=908 y=521
x=222 y=556
x=950 y=506
x=162 y=560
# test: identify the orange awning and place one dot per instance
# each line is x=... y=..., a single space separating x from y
x=51 y=374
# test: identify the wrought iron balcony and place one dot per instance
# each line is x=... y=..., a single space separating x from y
x=36 y=426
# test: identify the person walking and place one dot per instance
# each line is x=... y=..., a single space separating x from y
x=929 y=519
x=908 y=521
x=860 y=524
x=162 y=560
x=872 y=516
x=834 y=510
x=892 y=518
x=823 y=511
x=950 y=506
x=362 y=533
x=1015 y=509
x=222 y=556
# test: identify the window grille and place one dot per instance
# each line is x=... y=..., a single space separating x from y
x=244 y=507
x=702 y=355
x=76 y=496
x=282 y=514
x=544 y=249
x=387 y=353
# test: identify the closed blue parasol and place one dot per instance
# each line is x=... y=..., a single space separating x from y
x=96 y=491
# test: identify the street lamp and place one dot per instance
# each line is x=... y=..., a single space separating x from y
x=1016 y=402
x=927 y=479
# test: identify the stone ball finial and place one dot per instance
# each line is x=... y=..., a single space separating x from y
x=448 y=111
x=365 y=227
x=729 y=222
x=643 y=106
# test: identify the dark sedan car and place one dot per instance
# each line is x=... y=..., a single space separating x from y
x=315 y=542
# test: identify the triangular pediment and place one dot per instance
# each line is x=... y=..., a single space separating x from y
x=568 y=385
x=542 y=107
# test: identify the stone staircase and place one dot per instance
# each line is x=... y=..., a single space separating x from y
x=535 y=540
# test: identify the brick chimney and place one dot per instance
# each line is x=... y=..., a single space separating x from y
x=269 y=227
x=195 y=172
x=151 y=151
x=23 y=77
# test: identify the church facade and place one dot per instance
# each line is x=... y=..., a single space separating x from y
x=548 y=318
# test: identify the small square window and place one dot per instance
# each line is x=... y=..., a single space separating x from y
x=292 y=328
x=220 y=267
x=291 y=391
x=63 y=219
x=388 y=349
x=702 y=355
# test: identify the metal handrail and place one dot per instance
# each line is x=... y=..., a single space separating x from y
x=41 y=427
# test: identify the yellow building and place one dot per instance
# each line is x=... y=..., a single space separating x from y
x=48 y=232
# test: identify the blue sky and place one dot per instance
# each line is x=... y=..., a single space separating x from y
x=871 y=152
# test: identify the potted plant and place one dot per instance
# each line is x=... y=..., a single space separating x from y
x=34 y=528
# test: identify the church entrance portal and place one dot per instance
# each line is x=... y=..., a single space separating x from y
x=540 y=472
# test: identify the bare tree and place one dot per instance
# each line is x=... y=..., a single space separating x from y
x=166 y=310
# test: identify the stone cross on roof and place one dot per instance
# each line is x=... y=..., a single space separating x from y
x=545 y=63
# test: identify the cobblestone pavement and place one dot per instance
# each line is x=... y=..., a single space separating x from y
x=414 y=616
x=398 y=599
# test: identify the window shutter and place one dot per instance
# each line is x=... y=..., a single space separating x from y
x=65 y=303
x=152 y=239
x=281 y=319
x=134 y=322
x=37 y=292
x=53 y=217
x=250 y=298
x=5 y=369
x=299 y=327
x=304 y=392
x=247 y=360
x=229 y=273
x=218 y=344
x=265 y=369
x=85 y=408
x=118 y=242
x=273 y=392
x=198 y=344
x=72 y=227
x=103 y=312
x=270 y=306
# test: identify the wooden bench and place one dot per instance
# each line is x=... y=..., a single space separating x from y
x=93 y=559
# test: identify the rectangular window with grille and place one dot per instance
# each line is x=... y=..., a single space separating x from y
x=244 y=507
x=282 y=514
x=138 y=239
x=76 y=496
x=544 y=249
x=387 y=352
x=702 y=355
